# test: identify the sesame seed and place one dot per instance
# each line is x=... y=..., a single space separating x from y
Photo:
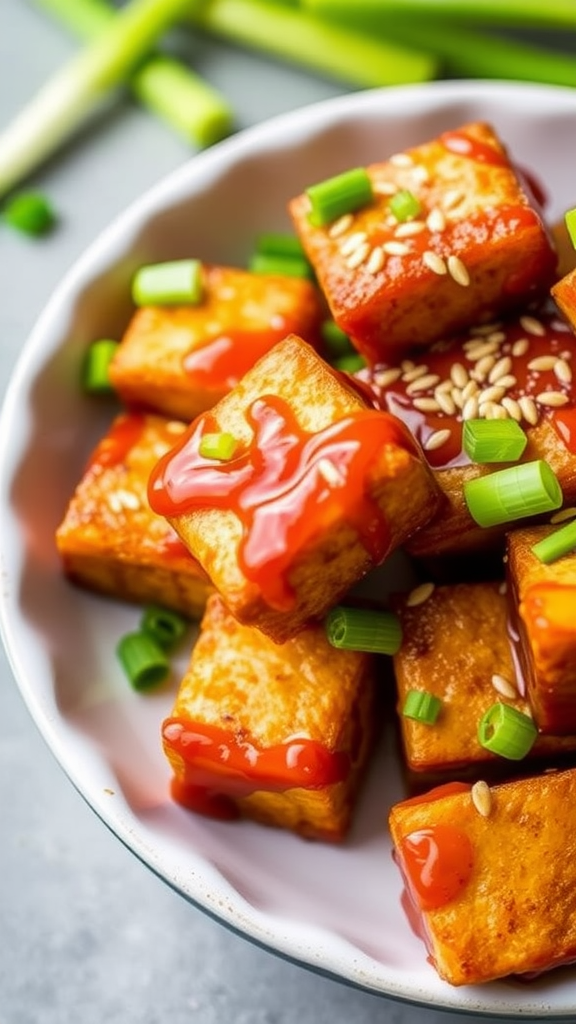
x=542 y=363
x=552 y=399
x=470 y=408
x=488 y=411
x=529 y=409
x=419 y=594
x=434 y=262
x=470 y=389
x=413 y=372
x=496 y=336
x=445 y=401
x=385 y=377
x=507 y=381
x=385 y=188
x=445 y=385
x=420 y=174
x=353 y=242
x=504 y=686
x=503 y=588
x=456 y=396
x=483 y=367
x=436 y=440
x=340 y=226
x=407 y=364
x=459 y=375
x=330 y=473
x=563 y=515
x=482 y=348
x=481 y=331
x=401 y=160
x=512 y=408
x=532 y=326
x=427 y=380
x=481 y=798
x=359 y=256
x=451 y=198
x=458 y=271
x=393 y=248
x=562 y=371
x=426 y=405
x=375 y=261
x=520 y=347
x=492 y=394
x=436 y=221
x=500 y=369
x=408 y=228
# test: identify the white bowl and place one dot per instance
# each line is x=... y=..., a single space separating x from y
x=335 y=910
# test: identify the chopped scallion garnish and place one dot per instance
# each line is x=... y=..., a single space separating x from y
x=493 y=440
x=513 y=493
x=276 y=263
x=165 y=284
x=570 y=221
x=351 y=363
x=557 y=544
x=144 y=661
x=363 y=629
x=404 y=205
x=506 y=731
x=422 y=706
x=165 y=626
x=276 y=243
x=95 y=376
x=344 y=193
x=218 y=446
x=336 y=340
x=29 y=212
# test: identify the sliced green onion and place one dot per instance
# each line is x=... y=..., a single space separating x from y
x=506 y=731
x=570 y=221
x=217 y=446
x=513 y=493
x=95 y=376
x=274 y=243
x=557 y=544
x=493 y=440
x=29 y=212
x=511 y=13
x=166 y=284
x=65 y=100
x=170 y=89
x=144 y=661
x=165 y=626
x=336 y=340
x=404 y=205
x=422 y=706
x=363 y=629
x=341 y=194
x=275 y=263
x=350 y=363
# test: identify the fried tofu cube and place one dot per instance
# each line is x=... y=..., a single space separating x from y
x=544 y=611
x=280 y=734
x=110 y=541
x=524 y=368
x=320 y=489
x=180 y=360
x=490 y=875
x=476 y=248
x=564 y=293
x=457 y=645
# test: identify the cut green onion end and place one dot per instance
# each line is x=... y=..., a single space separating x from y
x=144 y=661
x=165 y=626
x=218 y=446
x=404 y=205
x=31 y=213
x=517 y=492
x=362 y=629
x=95 y=369
x=344 y=193
x=505 y=731
x=172 y=283
x=422 y=706
x=284 y=265
x=570 y=221
x=493 y=440
x=557 y=544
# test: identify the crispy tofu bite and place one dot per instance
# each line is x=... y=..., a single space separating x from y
x=180 y=360
x=277 y=733
x=316 y=489
x=544 y=612
x=446 y=235
x=111 y=541
x=456 y=659
x=519 y=369
x=490 y=877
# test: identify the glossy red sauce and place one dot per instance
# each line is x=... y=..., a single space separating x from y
x=221 y=767
x=277 y=488
x=113 y=449
x=437 y=862
x=222 y=361
x=473 y=149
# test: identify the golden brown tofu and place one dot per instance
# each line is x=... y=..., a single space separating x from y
x=456 y=645
x=544 y=613
x=180 y=360
x=476 y=248
x=277 y=733
x=490 y=875
x=564 y=293
x=521 y=368
x=111 y=541
x=320 y=489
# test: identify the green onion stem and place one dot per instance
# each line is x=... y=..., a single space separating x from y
x=195 y=110
x=570 y=219
x=464 y=51
x=165 y=626
x=66 y=99
x=299 y=36
x=95 y=375
x=506 y=13
x=527 y=489
x=363 y=629
x=557 y=544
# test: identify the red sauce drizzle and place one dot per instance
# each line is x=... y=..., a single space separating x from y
x=437 y=862
x=114 y=448
x=277 y=489
x=474 y=149
x=222 y=361
x=221 y=767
